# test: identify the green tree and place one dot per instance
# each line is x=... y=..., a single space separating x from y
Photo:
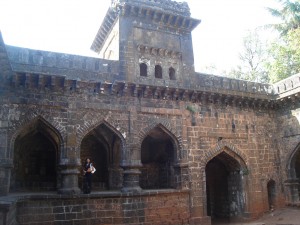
x=283 y=60
x=289 y=15
x=284 y=56
x=252 y=58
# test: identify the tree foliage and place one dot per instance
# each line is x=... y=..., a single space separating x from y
x=252 y=58
x=289 y=15
x=284 y=56
x=281 y=58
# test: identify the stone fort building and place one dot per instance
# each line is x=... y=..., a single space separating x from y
x=171 y=146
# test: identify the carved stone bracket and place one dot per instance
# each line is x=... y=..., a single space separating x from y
x=166 y=53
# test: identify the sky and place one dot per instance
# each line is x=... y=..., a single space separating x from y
x=69 y=26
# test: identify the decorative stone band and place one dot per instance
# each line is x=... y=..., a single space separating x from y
x=167 y=53
x=227 y=95
x=178 y=7
x=158 y=14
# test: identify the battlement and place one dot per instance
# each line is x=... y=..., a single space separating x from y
x=180 y=8
x=287 y=86
x=72 y=66
x=219 y=83
x=4 y=61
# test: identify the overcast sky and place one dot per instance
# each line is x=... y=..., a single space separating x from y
x=70 y=26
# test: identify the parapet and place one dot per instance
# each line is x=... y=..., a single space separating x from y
x=72 y=66
x=287 y=86
x=5 y=68
x=232 y=86
x=174 y=7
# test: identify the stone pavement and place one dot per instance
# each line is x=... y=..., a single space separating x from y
x=285 y=216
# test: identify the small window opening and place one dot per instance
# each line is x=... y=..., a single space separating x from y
x=172 y=73
x=143 y=69
x=158 y=71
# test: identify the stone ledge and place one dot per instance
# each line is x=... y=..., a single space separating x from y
x=16 y=197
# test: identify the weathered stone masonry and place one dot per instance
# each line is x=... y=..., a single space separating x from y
x=171 y=146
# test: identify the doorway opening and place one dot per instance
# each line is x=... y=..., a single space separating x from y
x=224 y=188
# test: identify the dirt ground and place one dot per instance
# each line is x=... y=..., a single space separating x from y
x=286 y=216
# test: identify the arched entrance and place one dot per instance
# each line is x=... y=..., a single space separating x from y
x=293 y=182
x=35 y=158
x=157 y=155
x=103 y=146
x=271 y=194
x=224 y=187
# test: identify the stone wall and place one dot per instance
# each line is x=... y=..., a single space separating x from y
x=70 y=66
x=150 y=208
x=199 y=131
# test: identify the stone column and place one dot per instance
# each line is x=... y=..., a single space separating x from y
x=131 y=156
x=69 y=176
x=131 y=176
x=181 y=175
x=292 y=190
x=5 y=173
x=198 y=199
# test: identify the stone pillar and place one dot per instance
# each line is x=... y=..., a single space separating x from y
x=5 y=173
x=246 y=189
x=292 y=190
x=198 y=200
x=131 y=176
x=69 y=176
x=181 y=175
x=115 y=177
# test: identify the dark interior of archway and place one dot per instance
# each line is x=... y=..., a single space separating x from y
x=223 y=188
x=297 y=164
x=102 y=146
x=35 y=163
x=157 y=156
x=271 y=193
x=297 y=167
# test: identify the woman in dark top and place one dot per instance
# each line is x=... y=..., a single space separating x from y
x=87 y=169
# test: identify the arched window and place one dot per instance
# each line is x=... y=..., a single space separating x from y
x=158 y=71
x=36 y=158
x=158 y=159
x=143 y=69
x=104 y=146
x=172 y=73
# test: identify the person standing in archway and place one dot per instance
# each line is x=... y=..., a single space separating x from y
x=88 y=170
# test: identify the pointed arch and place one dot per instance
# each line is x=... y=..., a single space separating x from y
x=104 y=145
x=30 y=123
x=159 y=150
x=166 y=127
x=291 y=161
x=225 y=182
x=229 y=149
x=37 y=147
x=87 y=129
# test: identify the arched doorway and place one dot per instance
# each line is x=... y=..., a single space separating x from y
x=224 y=187
x=36 y=158
x=158 y=154
x=103 y=146
x=293 y=182
x=271 y=194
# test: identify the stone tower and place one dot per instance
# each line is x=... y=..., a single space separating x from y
x=151 y=39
